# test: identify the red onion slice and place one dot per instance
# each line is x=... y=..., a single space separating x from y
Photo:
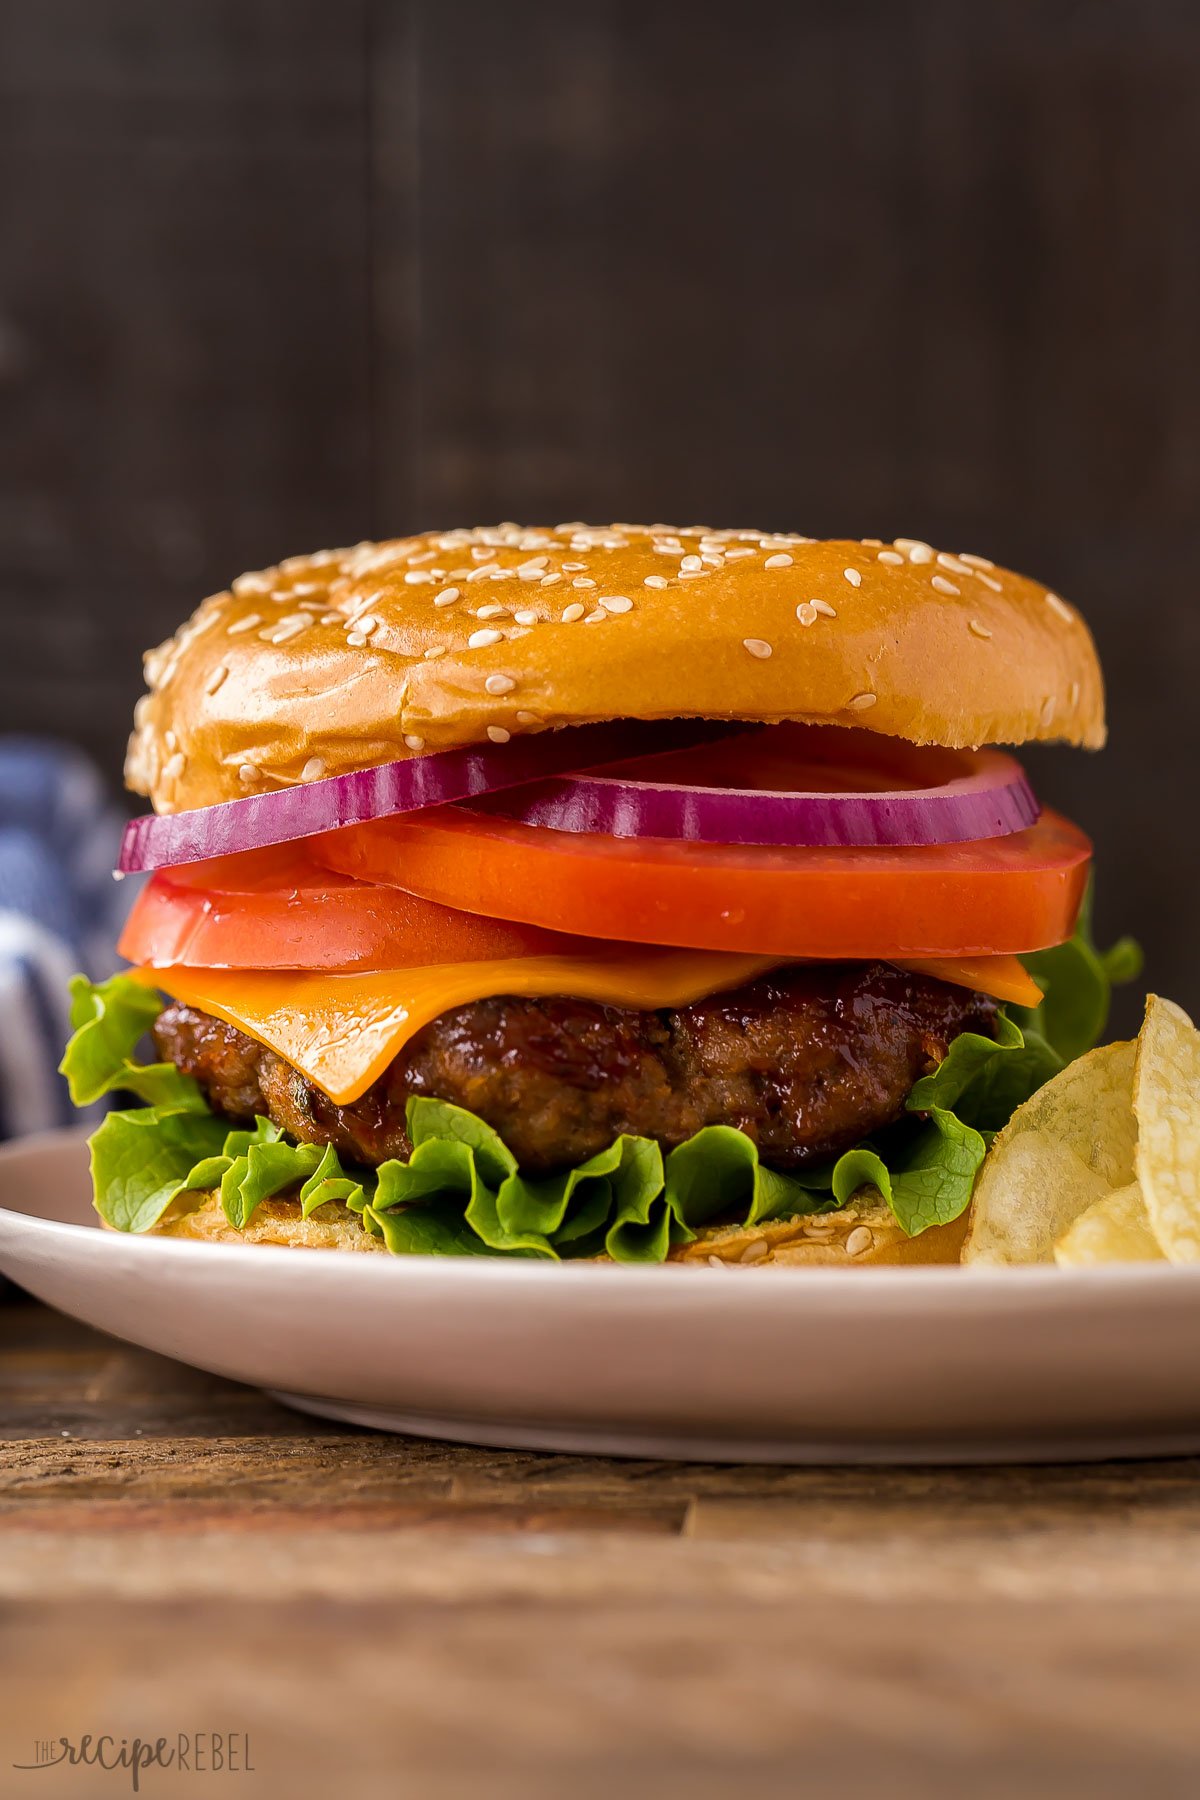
x=872 y=796
x=161 y=841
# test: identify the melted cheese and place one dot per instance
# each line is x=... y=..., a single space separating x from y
x=342 y=1031
x=1003 y=977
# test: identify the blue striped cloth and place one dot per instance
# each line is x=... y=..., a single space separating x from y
x=60 y=912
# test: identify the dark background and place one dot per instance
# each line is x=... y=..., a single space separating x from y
x=282 y=273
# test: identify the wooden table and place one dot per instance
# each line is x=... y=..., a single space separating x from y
x=391 y=1617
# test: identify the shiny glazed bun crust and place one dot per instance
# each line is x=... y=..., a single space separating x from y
x=349 y=658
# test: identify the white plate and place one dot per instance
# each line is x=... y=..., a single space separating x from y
x=781 y=1365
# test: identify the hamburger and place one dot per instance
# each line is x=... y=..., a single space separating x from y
x=621 y=892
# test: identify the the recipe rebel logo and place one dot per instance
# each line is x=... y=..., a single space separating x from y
x=186 y=1752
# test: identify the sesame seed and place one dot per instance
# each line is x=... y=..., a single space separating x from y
x=215 y=679
x=873 y=542
x=285 y=630
x=413 y=576
x=247 y=773
x=655 y=581
x=717 y=1262
x=1074 y=695
x=251 y=584
x=595 y=616
x=447 y=597
x=988 y=581
x=434 y=651
x=976 y=562
x=757 y=647
x=412 y=742
x=806 y=612
x=479 y=640
x=357 y=638
x=575 y=611
x=860 y=1239
x=313 y=769
x=711 y=560
x=583 y=581
x=955 y=564
x=532 y=570
x=916 y=550
x=691 y=562
x=860 y=702
x=499 y=684
x=492 y=611
x=756 y=1251
x=1047 y=714
x=528 y=718
x=1059 y=606
x=823 y=606
x=331 y=618
x=943 y=586
x=981 y=631
x=174 y=768
x=525 y=616
x=782 y=561
x=498 y=734
x=742 y=550
x=615 y=603
x=367 y=623
x=572 y=568
x=890 y=556
x=550 y=580
x=853 y=577
x=246 y=624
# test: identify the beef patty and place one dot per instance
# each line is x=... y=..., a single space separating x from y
x=807 y=1062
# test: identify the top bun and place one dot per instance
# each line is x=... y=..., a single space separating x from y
x=349 y=658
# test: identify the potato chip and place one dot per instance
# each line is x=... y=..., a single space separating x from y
x=1166 y=1099
x=1115 y=1229
x=1066 y=1148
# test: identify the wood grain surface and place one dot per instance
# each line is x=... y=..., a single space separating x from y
x=389 y=1616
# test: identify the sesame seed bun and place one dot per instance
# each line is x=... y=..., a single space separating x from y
x=860 y=1236
x=279 y=1222
x=349 y=658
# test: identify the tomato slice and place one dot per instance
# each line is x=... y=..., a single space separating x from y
x=278 y=909
x=1008 y=894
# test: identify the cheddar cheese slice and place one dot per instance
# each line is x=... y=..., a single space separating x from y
x=342 y=1031
x=1003 y=977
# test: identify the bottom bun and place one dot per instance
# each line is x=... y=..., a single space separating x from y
x=856 y=1237
x=277 y=1222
